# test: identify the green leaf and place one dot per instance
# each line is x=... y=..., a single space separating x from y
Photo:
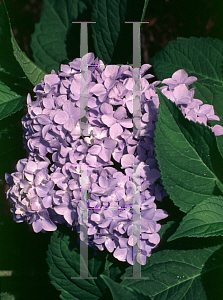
x=188 y=157
x=10 y=102
x=204 y=220
x=180 y=275
x=13 y=60
x=199 y=57
x=144 y=9
x=120 y=292
x=110 y=17
x=34 y=73
x=54 y=39
x=212 y=94
x=63 y=258
x=6 y=296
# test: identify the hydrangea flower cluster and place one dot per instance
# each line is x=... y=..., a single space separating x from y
x=122 y=179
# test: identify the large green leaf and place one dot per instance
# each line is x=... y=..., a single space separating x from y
x=188 y=157
x=63 y=258
x=13 y=60
x=10 y=101
x=54 y=39
x=120 y=292
x=181 y=275
x=17 y=72
x=205 y=219
x=110 y=17
x=200 y=57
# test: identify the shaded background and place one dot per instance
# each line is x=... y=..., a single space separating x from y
x=168 y=19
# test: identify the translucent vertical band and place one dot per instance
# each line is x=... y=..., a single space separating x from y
x=83 y=229
x=136 y=204
x=136 y=40
x=84 y=77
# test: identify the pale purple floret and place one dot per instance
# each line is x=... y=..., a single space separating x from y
x=120 y=213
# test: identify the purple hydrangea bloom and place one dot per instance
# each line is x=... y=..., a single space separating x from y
x=120 y=213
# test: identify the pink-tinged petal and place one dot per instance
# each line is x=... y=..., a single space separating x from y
x=106 y=108
x=48 y=103
x=97 y=189
x=127 y=123
x=98 y=89
x=37 y=225
x=108 y=120
x=70 y=124
x=92 y=102
x=69 y=108
x=160 y=214
x=141 y=258
x=91 y=160
x=109 y=143
x=103 y=182
x=48 y=225
x=88 y=59
x=130 y=256
x=111 y=70
x=202 y=119
x=213 y=118
x=148 y=76
x=206 y=109
x=105 y=154
x=41 y=190
x=148 y=214
x=99 y=240
x=120 y=253
x=217 y=129
x=120 y=113
x=92 y=230
x=129 y=105
x=75 y=87
x=45 y=130
x=109 y=83
x=37 y=111
x=154 y=238
x=95 y=149
x=110 y=245
x=61 y=99
x=76 y=64
x=31 y=166
x=105 y=224
x=61 y=117
x=132 y=240
x=115 y=130
x=44 y=120
x=96 y=218
x=60 y=209
x=151 y=226
x=181 y=91
x=190 y=80
x=47 y=201
x=51 y=79
x=69 y=216
x=144 y=68
x=180 y=76
x=127 y=160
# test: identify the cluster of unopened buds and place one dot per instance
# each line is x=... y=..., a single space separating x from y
x=102 y=158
